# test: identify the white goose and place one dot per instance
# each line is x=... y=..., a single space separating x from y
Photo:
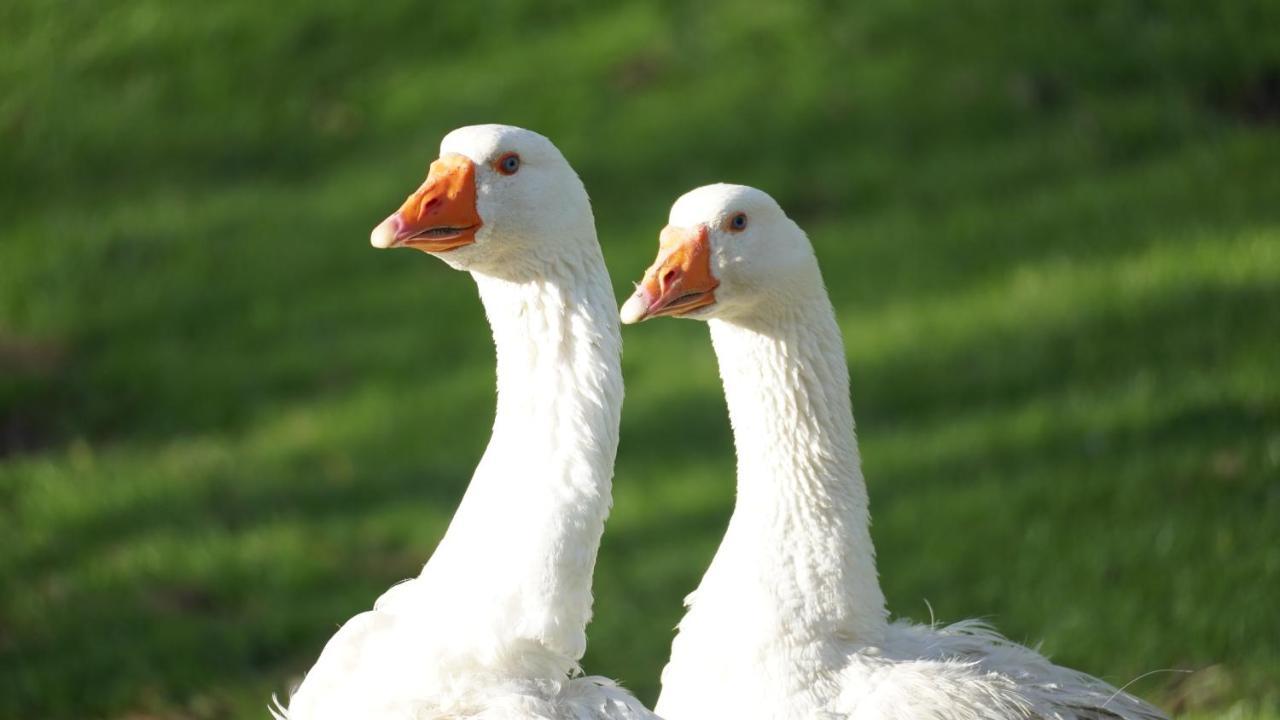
x=494 y=626
x=789 y=621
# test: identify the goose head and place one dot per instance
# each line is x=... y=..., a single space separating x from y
x=728 y=251
x=495 y=195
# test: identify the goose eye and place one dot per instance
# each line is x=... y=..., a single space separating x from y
x=508 y=164
x=738 y=222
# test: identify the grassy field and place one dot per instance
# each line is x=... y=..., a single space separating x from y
x=1052 y=231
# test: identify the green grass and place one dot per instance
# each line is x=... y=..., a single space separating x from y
x=1052 y=232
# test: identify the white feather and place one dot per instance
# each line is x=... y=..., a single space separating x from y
x=494 y=626
x=789 y=620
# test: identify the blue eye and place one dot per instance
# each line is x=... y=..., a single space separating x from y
x=508 y=164
x=738 y=222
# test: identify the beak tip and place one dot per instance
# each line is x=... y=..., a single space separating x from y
x=384 y=236
x=634 y=310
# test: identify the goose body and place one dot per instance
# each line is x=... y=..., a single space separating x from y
x=494 y=626
x=789 y=620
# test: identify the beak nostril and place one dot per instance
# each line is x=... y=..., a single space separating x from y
x=669 y=277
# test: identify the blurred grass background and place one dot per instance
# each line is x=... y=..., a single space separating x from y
x=1052 y=231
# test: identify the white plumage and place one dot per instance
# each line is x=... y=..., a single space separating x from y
x=789 y=620
x=494 y=626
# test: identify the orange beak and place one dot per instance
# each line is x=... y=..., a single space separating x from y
x=679 y=281
x=441 y=215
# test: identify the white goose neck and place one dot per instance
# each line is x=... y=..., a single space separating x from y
x=801 y=514
x=521 y=549
x=558 y=357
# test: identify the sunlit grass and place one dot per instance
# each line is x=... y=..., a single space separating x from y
x=1051 y=232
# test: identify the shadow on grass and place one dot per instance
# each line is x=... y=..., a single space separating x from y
x=1184 y=333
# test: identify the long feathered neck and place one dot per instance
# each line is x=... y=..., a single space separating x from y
x=522 y=547
x=799 y=535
